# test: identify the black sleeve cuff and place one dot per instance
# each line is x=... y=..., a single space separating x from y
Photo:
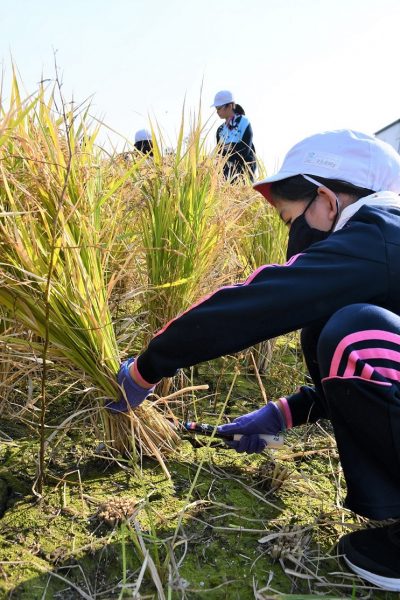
x=305 y=406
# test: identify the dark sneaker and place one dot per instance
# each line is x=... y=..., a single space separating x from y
x=374 y=554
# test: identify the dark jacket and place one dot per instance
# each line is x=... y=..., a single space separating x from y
x=235 y=139
x=358 y=263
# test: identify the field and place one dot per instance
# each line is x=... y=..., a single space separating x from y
x=98 y=250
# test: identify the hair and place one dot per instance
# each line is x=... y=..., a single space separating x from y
x=228 y=104
x=238 y=110
x=144 y=146
x=299 y=188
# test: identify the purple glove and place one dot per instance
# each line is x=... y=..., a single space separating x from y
x=132 y=393
x=267 y=419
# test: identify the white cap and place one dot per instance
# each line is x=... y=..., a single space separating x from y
x=142 y=135
x=357 y=158
x=223 y=97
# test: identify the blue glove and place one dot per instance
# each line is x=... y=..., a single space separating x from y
x=267 y=419
x=132 y=393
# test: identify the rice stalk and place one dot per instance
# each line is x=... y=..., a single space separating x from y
x=181 y=226
x=55 y=277
x=21 y=365
x=262 y=242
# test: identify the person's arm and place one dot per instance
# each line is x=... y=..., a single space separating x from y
x=254 y=431
x=348 y=267
x=218 y=135
x=304 y=406
x=242 y=149
x=247 y=138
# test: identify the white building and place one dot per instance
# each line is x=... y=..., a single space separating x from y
x=391 y=134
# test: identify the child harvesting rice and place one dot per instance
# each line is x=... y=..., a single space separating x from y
x=338 y=192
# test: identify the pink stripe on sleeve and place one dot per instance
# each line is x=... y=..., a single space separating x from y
x=227 y=287
x=287 y=412
x=136 y=376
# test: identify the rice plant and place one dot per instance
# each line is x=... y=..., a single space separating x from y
x=261 y=241
x=179 y=228
x=187 y=215
x=54 y=258
x=86 y=239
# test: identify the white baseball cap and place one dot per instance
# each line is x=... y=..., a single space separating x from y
x=350 y=156
x=142 y=135
x=223 y=97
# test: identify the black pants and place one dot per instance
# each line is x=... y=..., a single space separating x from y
x=235 y=168
x=354 y=360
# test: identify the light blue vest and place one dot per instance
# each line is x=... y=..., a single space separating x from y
x=234 y=134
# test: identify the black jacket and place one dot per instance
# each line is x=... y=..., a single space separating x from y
x=359 y=263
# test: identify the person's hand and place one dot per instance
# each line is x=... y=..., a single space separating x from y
x=132 y=394
x=268 y=420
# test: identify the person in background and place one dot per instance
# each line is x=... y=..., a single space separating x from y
x=338 y=194
x=143 y=142
x=234 y=137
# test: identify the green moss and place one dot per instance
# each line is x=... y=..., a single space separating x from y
x=237 y=500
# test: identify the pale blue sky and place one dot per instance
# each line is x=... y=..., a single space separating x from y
x=297 y=66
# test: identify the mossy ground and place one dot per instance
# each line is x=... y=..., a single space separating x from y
x=71 y=544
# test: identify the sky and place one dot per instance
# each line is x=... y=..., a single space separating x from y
x=296 y=66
